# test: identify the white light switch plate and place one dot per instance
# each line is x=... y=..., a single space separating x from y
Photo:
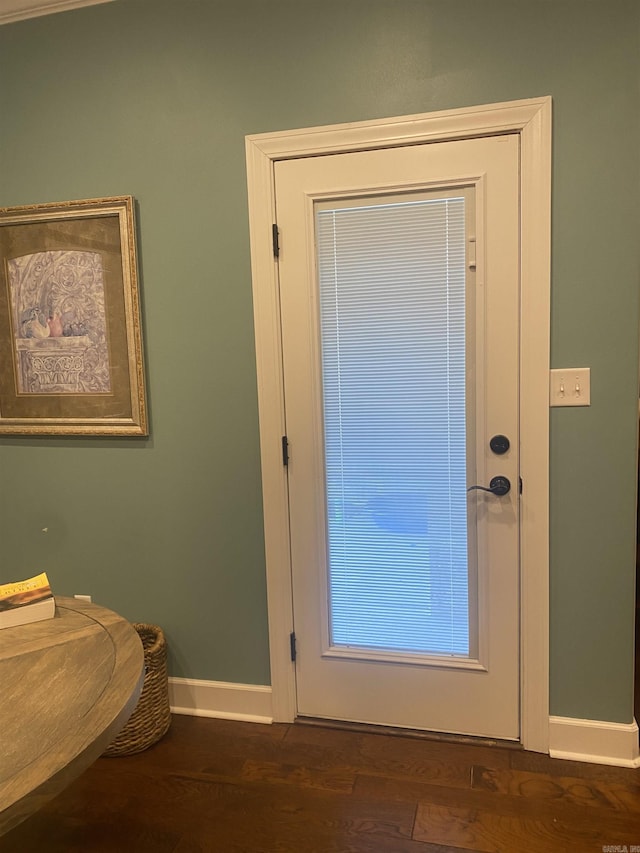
x=570 y=386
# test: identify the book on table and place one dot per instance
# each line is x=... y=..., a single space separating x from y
x=26 y=601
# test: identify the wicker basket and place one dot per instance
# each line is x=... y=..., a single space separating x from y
x=152 y=716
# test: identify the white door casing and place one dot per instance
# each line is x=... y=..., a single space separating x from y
x=531 y=121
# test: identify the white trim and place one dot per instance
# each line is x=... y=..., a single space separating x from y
x=266 y=309
x=594 y=741
x=531 y=119
x=248 y=702
x=509 y=117
x=20 y=10
x=535 y=324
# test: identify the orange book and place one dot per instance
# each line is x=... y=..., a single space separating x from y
x=26 y=601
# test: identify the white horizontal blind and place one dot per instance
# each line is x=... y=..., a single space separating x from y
x=392 y=300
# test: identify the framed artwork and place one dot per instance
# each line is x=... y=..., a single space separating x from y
x=70 y=334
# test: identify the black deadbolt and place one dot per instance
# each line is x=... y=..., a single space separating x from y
x=499 y=444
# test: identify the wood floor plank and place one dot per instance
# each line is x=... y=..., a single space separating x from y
x=222 y=747
x=494 y=833
x=336 y=779
x=78 y=822
x=385 y=789
x=409 y=752
x=216 y=786
x=617 y=823
x=393 y=756
x=266 y=817
x=204 y=842
x=543 y=787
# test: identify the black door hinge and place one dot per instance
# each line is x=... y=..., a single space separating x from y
x=276 y=243
x=292 y=645
x=285 y=450
x=520 y=479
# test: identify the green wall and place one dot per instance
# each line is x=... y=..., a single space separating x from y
x=154 y=98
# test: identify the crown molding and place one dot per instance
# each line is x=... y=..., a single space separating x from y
x=19 y=10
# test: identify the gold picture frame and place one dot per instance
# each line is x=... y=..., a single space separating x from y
x=71 y=360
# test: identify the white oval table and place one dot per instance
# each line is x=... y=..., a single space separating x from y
x=68 y=685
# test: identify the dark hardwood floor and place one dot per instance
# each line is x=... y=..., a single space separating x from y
x=217 y=785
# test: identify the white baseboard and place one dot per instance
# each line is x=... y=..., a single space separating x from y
x=571 y=739
x=247 y=702
x=594 y=741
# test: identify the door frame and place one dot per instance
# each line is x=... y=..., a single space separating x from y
x=531 y=120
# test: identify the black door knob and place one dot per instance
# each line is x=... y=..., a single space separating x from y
x=499 y=486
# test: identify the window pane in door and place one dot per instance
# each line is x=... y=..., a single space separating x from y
x=393 y=318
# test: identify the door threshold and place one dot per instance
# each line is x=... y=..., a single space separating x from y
x=395 y=731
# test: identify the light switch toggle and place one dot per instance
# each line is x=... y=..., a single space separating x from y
x=570 y=386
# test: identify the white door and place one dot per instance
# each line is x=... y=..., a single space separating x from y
x=399 y=288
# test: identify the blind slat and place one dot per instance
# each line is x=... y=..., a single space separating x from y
x=392 y=304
